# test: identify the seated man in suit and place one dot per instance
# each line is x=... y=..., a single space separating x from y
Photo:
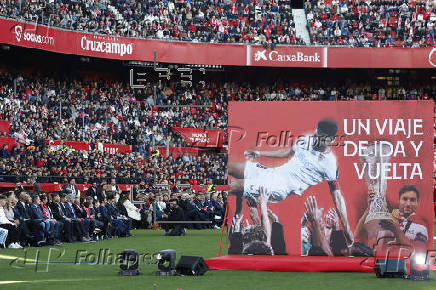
x=58 y=213
x=121 y=223
x=103 y=216
x=70 y=213
x=22 y=213
x=81 y=213
x=38 y=218
x=190 y=211
x=206 y=212
x=88 y=207
x=58 y=226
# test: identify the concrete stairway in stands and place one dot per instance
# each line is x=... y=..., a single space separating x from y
x=301 y=24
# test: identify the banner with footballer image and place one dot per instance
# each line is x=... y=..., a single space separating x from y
x=330 y=178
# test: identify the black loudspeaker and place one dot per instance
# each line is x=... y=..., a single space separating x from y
x=191 y=265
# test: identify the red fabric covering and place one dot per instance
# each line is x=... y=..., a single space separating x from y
x=292 y=263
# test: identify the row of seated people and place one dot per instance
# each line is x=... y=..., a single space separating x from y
x=204 y=211
x=34 y=220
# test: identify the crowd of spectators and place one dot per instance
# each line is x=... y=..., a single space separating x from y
x=39 y=219
x=377 y=23
x=40 y=108
x=223 y=21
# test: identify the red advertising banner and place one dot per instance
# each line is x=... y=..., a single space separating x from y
x=177 y=151
x=111 y=148
x=72 y=42
x=4 y=126
x=202 y=137
x=94 y=45
x=7 y=141
x=288 y=56
x=330 y=178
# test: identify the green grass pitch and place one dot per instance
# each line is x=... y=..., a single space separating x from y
x=65 y=274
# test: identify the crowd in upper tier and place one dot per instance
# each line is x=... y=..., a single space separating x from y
x=376 y=23
x=372 y=23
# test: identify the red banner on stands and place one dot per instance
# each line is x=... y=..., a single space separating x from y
x=94 y=45
x=329 y=175
x=111 y=148
x=202 y=137
x=7 y=141
x=4 y=126
x=114 y=148
x=176 y=151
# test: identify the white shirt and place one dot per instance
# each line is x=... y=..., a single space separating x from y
x=309 y=167
x=415 y=231
x=3 y=218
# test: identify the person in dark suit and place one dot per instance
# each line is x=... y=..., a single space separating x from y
x=175 y=213
x=37 y=216
x=121 y=223
x=70 y=213
x=36 y=186
x=59 y=214
x=103 y=216
x=95 y=192
x=190 y=211
x=72 y=187
x=57 y=225
x=23 y=214
x=88 y=207
x=205 y=213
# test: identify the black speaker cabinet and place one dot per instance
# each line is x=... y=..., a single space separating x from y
x=191 y=265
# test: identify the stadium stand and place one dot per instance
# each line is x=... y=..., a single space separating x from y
x=397 y=23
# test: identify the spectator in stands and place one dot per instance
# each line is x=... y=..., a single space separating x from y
x=13 y=238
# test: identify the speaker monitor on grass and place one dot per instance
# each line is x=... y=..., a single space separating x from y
x=191 y=265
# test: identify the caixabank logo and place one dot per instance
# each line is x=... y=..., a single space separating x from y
x=294 y=56
x=22 y=36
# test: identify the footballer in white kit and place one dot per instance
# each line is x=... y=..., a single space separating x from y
x=311 y=162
